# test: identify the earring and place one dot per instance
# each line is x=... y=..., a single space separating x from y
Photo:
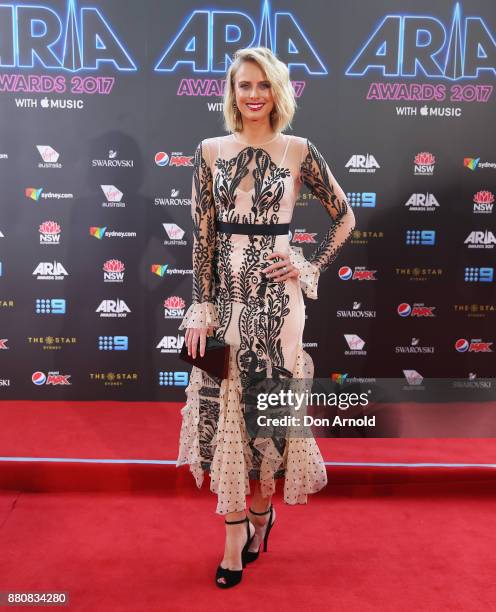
x=235 y=106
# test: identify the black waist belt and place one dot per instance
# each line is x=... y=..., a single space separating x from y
x=272 y=229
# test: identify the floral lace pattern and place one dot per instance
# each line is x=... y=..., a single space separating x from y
x=262 y=319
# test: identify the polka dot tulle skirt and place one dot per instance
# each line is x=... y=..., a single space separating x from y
x=214 y=440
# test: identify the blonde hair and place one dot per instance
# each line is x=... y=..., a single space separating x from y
x=277 y=73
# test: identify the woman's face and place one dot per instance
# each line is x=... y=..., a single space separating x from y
x=253 y=92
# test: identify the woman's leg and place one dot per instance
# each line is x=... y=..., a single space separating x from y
x=259 y=504
x=235 y=540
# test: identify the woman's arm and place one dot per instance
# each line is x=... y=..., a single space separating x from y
x=317 y=176
x=202 y=313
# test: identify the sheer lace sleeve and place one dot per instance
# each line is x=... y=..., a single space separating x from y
x=202 y=312
x=316 y=175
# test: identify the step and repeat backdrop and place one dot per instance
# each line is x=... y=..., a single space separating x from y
x=102 y=104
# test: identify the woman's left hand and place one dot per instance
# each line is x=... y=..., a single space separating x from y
x=281 y=270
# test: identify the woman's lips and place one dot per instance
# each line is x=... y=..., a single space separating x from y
x=254 y=107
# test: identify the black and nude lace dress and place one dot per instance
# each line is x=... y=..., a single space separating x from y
x=262 y=320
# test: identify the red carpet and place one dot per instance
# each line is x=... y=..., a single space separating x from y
x=140 y=537
x=139 y=430
x=159 y=553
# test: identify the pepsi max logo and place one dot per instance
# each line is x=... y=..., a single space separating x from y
x=38 y=378
x=161 y=159
x=345 y=273
x=474 y=346
x=404 y=310
x=417 y=310
x=306 y=237
x=181 y=160
x=52 y=378
x=360 y=273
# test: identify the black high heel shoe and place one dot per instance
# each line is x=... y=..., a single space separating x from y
x=250 y=556
x=233 y=577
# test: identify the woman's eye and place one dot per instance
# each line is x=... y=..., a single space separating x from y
x=265 y=85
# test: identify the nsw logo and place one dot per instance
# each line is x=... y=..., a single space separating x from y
x=49 y=233
x=113 y=271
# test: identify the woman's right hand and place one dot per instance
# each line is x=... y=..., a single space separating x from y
x=191 y=337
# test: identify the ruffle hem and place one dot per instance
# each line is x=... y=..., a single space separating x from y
x=305 y=471
x=200 y=315
x=309 y=273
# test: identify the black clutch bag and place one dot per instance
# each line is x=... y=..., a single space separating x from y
x=215 y=361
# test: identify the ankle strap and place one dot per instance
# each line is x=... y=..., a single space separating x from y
x=260 y=513
x=236 y=522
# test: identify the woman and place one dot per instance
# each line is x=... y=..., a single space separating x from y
x=247 y=291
